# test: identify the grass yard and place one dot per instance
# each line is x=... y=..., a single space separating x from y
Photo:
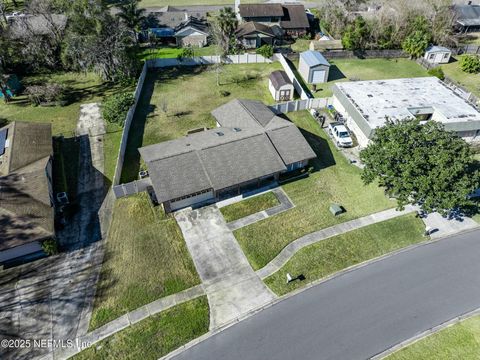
x=176 y=100
x=368 y=69
x=173 y=52
x=301 y=45
x=339 y=252
x=470 y=81
x=249 y=206
x=155 y=336
x=334 y=180
x=111 y=147
x=460 y=341
x=145 y=259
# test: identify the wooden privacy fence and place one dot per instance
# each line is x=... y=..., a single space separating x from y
x=299 y=105
x=126 y=127
x=208 y=60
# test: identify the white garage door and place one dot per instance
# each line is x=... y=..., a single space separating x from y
x=175 y=205
x=318 y=76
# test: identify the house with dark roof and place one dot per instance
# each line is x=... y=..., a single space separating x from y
x=26 y=212
x=467 y=17
x=249 y=147
x=192 y=32
x=253 y=35
x=291 y=18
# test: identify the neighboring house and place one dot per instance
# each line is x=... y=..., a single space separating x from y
x=437 y=55
x=26 y=212
x=21 y=27
x=280 y=86
x=313 y=67
x=367 y=105
x=253 y=35
x=251 y=146
x=292 y=19
x=193 y=32
x=467 y=17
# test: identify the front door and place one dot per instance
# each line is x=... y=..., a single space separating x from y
x=285 y=95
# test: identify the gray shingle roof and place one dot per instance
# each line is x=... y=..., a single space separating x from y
x=467 y=15
x=246 y=146
x=295 y=17
x=279 y=78
x=252 y=27
x=260 y=10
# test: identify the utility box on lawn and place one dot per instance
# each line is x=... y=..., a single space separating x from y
x=336 y=209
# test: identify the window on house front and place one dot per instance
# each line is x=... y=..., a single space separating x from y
x=431 y=56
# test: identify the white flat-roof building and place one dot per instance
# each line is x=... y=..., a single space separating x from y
x=367 y=105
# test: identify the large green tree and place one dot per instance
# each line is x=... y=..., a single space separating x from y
x=132 y=15
x=421 y=163
x=356 y=35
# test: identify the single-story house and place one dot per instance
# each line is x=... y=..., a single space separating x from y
x=467 y=17
x=280 y=86
x=193 y=32
x=292 y=18
x=437 y=55
x=26 y=198
x=253 y=35
x=251 y=146
x=366 y=105
x=313 y=67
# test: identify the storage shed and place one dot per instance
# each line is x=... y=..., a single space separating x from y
x=280 y=86
x=313 y=67
x=438 y=55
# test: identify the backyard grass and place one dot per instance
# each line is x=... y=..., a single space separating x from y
x=368 y=69
x=339 y=252
x=173 y=52
x=470 y=81
x=155 y=336
x=249 y=206
x=334 y=180
x=111 y=147
x=460 y=341
x=301 y=45
x=145 y=259
x=176 y=100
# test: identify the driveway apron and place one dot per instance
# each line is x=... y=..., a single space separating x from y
x=233 y=289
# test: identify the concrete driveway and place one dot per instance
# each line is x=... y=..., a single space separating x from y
x=233 y=289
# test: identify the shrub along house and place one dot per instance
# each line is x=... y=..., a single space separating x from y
x=250 y=147
x=26 y=212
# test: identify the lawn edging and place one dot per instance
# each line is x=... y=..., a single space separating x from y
x=426 y=333
x=307 y=287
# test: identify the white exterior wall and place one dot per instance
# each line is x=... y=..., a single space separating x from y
x=276 y=93
x=472 y=136
x=362 y=139
x=438 y=57
x=303 y=69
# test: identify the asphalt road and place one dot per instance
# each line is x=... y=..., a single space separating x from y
x=362 y=313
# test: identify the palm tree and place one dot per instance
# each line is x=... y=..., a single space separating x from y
x=132 y=15
x=225 y=25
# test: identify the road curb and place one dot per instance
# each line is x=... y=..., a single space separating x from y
x=309 y=286
x=426 y=334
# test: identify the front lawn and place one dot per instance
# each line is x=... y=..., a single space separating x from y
x=334 y=180
x=175 y=100
x=368 y=69
x=460 y=341
x=155 y=336
x=249 y=206
x=470 y=81
x=339 y=252
x=145 y=258
x=173 y=52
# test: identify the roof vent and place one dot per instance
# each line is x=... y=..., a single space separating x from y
x=236 y=129
x=219 y=133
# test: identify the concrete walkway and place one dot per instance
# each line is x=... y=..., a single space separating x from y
x=131 y=318
x=444 y=227
x=285 y=204
x=232 y=287
x=290 y=250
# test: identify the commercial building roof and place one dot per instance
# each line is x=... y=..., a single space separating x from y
x=398 y=99
x=279 y=78
x=251 y=142
x=314 y=58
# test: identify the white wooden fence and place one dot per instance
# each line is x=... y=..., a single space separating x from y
x=208 y=60
x=126 y=127
x=304 y=95
x=299 y=105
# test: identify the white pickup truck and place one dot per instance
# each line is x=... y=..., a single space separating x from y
x=340 y=134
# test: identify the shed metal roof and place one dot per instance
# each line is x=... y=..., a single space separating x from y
x=314 y=58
